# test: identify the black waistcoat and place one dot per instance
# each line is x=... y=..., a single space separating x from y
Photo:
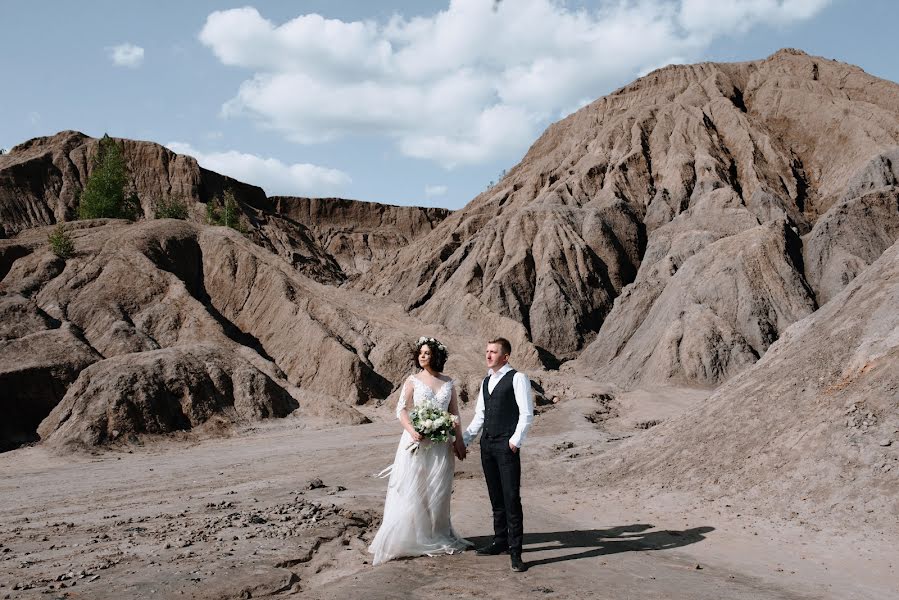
x=500 y=409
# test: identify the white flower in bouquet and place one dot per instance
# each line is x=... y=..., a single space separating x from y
x=433 y=423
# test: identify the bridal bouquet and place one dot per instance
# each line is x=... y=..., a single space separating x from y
x=432 y=423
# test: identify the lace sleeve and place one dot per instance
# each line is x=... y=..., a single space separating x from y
x=405 y=398
x=453 y=406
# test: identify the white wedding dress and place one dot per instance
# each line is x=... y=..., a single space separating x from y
x=417 y=509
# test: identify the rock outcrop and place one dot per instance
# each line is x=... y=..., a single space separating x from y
x=714 y=311
x=161 y=391
x=36 y=369
x=356 y=233
x=40 y=179
x=848 y=238
x=160 y=325
x=811 y=429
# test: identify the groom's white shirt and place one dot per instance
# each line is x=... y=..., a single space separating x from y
x=522 y=387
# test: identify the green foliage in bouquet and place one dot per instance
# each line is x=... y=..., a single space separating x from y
x=432 y=423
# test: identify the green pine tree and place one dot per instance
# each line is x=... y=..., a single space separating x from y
x=104 y=193
x=61 y=242
x=212 y=214
x=171 y=208
x=231 y=214
x=225 y=213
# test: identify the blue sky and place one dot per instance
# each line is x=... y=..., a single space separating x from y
x=413 y=102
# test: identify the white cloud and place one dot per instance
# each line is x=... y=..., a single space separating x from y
x=701 y=17
x=126 y=55
x=499 y=130
x=432 y=191
x=472 y=83
x=272 y=175
x=671 y=60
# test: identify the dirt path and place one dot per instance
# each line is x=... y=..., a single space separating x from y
x=566 y=560
x=233 y=517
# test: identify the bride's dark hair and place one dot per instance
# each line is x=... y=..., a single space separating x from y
x=438 y=353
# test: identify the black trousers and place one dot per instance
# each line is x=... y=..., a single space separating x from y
x=502 y=470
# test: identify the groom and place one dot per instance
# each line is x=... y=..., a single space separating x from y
x=505 y=411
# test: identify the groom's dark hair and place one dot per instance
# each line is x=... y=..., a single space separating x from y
x=505 y=344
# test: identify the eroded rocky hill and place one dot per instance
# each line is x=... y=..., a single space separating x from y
x=162 y=325
x=328 y=240
x=810 y=430
x=671 y=231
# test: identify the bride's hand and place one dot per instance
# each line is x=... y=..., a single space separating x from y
x=416 y=437
x=460 y=449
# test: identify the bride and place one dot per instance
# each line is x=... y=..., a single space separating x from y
x=417 y=509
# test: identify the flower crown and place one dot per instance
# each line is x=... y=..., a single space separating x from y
x=431 y=341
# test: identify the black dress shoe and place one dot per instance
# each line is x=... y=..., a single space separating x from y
x=492 y=549
x=517 y=565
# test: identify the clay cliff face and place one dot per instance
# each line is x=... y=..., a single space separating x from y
x=628 y=203
x=357 y=234
x=40 y=179
x=329 y=239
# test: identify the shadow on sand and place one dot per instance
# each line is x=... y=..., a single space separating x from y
x=599 y=542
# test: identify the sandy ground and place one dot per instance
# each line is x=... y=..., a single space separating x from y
x=235 y=517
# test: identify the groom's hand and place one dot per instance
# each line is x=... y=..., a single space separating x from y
x=513 y=448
